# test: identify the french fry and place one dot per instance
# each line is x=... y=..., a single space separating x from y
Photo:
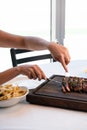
x=9 y=91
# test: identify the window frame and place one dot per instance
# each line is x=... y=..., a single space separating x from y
x=58 y=20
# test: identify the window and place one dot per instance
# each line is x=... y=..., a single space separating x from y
x=76 y=28
x=64 y=20
x=24 y=17
x=71 y=26
x=60 y=20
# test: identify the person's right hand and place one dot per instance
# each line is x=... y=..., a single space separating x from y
x=60 y=53
x=31 y=71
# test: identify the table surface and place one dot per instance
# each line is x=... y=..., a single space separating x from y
x=26 y=116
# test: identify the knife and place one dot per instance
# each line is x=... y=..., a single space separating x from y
x=52 y=80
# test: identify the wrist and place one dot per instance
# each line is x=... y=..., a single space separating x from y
x=18 y=70
x=52 y=45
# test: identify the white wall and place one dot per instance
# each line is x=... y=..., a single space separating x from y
x=24 y=17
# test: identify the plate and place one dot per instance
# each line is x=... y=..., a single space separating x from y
x=12 y=101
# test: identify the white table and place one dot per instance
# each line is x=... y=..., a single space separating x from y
x=25 y=116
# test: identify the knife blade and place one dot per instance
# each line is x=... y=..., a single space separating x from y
x=52 y=80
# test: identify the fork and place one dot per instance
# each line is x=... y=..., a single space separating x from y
x=67 y=75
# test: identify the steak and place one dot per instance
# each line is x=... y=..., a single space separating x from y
x=74 y=84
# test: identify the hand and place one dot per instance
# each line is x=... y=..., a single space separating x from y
x=60 y=53
x=32 y=71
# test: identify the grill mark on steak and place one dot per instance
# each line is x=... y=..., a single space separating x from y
x=74 y=84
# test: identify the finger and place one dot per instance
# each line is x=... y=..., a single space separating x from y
x=32 y=73
x=41 y=75
x=67 y=60
x=68 y=57
x=29 y=75
x=62 y=60
x=39 y=72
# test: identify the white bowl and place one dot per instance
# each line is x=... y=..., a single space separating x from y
x=14 y=100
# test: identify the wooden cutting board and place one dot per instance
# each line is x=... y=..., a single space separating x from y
x=49 y=93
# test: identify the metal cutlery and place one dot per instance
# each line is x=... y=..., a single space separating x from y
x=66 y=77
x=52 y=80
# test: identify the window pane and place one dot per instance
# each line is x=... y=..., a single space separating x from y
x=76 y=28
x=30 y=17
x=24 y=17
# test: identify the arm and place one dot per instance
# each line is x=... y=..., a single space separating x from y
x=59 y=52
x=31 y=71
x=22 y=42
